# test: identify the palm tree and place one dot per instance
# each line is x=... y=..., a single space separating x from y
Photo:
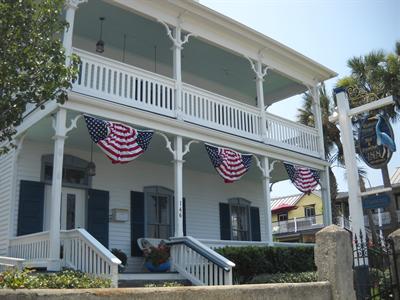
x=375 y=76
x=332 y=144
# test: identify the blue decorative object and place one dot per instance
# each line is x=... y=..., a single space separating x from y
x=164 y=267
x=382 y=138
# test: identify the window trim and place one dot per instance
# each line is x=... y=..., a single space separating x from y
x=155 y=189
x=280 y=214
x=238 y=201
x=70 y=162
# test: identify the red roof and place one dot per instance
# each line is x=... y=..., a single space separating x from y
x=283 y=207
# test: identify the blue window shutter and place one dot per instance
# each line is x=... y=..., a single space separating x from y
x=225 y=221
x=31 y=204
x=255 y=224
x=137 y=221
x=184 y=215
x=98 y=215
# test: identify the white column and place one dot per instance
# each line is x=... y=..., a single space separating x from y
x=326 y=196
x=54 y=263
x=260 y=100
x=318 y=119
x=346 y=129
x=177 y=71
x=325 y=190
x=71 y=6
x=178 y=169
x=267 y=200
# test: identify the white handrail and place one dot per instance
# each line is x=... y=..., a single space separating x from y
x=83 y=252
x=13 y=262
x=199 y=263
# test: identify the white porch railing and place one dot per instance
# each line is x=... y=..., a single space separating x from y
x=80 y=251
x=200 y=264
x=131 y=86
x=297 y=224
x=34 y=248
x=291 y=135
x=118 y=82
x=10 y=262
x=215 y=111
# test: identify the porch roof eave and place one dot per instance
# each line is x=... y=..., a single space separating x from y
x=114 y=111
x=238 y=37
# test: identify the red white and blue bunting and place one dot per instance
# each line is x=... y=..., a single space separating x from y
x=304 y=179
x=230 y=164
x=121 y=143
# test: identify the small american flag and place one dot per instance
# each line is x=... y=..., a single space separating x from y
x=304 y=179
x=119 y=142
x=231 y=165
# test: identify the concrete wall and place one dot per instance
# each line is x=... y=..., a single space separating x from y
x=306 y=291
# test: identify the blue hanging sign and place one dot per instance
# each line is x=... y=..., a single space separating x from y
x=376 y=201
x=376 y=141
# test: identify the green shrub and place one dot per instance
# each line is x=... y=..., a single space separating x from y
x=252 y=261
x=285 y=278
x=66 y=279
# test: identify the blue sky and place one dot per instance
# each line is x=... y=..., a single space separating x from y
x=328 y=31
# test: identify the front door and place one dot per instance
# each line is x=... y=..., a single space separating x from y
x=73 y=208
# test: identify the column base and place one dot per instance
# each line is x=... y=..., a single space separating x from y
x=54 y=265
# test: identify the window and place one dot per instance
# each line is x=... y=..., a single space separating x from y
x=240 y=219
x=74 y=170
x=309 y=212
x=283 y=217
x=158 y=212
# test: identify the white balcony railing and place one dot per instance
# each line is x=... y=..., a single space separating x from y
x=297 y=224
x=125 y=84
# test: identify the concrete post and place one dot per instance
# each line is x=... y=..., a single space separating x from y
x=334 y=260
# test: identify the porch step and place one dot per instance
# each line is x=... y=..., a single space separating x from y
x=142 y=279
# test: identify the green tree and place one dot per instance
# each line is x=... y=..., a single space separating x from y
x=375 y=76
x=32 y=60
x=332 y=143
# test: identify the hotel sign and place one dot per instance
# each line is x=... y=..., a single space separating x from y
x=374 y=155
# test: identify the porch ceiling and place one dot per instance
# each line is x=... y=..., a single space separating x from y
x=147 y=46
x=196 y=160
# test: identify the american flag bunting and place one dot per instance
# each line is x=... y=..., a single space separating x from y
x=304 y=179
x=230 y=164
x=121 y=143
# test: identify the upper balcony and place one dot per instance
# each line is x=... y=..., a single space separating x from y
x=218 y=87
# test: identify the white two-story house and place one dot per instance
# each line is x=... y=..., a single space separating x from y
x=191 y=75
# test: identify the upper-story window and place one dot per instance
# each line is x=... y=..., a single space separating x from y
x=283 y=217
x=309 y=212
x=74 y=170
x=240 y=219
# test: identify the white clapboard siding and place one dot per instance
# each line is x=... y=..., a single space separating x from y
x=201 y=204
x=6 y=185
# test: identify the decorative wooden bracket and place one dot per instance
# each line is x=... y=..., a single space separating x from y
x=71 y=127
x=260 y=74
x=169 y=145
x=177 y=40
x=261 y=168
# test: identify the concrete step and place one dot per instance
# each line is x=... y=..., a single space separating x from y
x=142 y=279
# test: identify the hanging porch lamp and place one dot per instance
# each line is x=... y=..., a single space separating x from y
x=91 y=167
x=100 y=42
